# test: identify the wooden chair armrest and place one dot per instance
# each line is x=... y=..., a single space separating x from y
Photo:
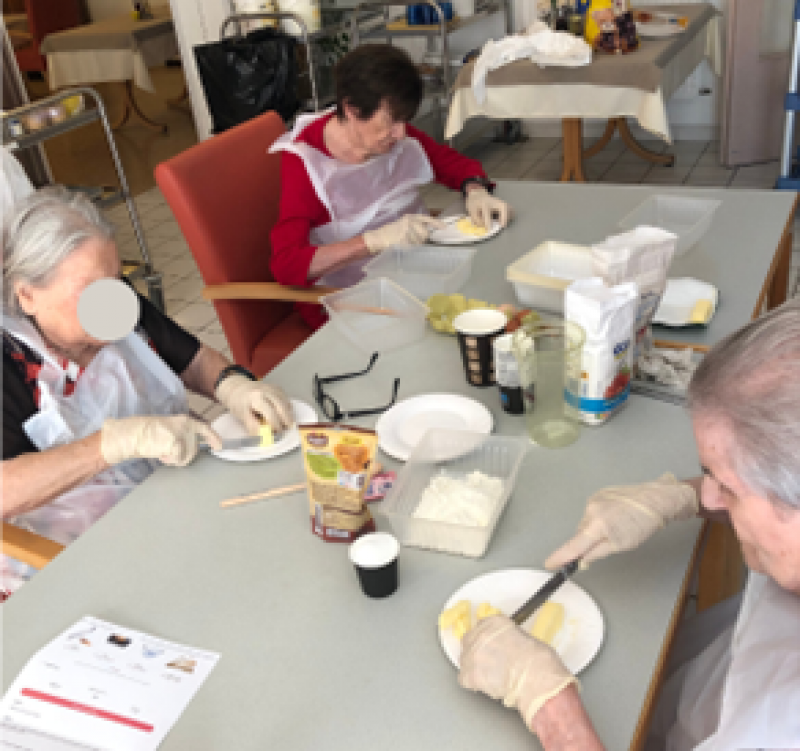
x=28 y=547
x=265 y=291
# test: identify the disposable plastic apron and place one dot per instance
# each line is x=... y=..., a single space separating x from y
x=743 y=691
x=124 y=379
x=359 y=197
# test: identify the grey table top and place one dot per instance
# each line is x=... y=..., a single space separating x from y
x=307 y=662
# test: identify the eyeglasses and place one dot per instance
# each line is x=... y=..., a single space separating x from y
x=329 y=405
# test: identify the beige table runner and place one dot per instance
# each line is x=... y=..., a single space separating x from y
x=642 y=69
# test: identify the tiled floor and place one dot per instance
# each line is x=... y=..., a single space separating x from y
x=539 y=159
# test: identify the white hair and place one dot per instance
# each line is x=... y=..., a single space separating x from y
x=751 y=382
x=42 y=231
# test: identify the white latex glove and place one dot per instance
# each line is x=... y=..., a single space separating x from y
x=623 y=517
x=254 y=402
x=482 y=205
x=411 y=229
x=501 y=660
x=171 y=438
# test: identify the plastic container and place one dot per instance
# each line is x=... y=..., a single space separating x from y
x=688 y=218
x=356 y=312
x=541 y=276
x=455 y=453
x=424 y=271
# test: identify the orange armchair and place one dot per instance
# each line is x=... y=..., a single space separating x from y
x=45 y=17
x=224 y=193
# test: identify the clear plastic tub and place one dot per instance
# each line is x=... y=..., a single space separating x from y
x=424 y=271
x=688 y=218
x=377 y=315
x=541 y=276
x=454 y=453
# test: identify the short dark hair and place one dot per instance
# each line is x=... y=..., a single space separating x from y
x=375 y=73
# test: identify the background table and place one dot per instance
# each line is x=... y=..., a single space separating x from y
x=115 y=49
x=307 y=661
x=613 y=87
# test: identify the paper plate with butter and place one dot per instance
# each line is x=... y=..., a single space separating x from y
x=570 y=621
x=460 y=229
x=687 y=302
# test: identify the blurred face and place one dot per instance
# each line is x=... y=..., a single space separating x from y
x=54 y=306
x=375 y=135
x=769 y=534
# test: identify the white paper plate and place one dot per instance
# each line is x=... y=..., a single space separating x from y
x=228 y=427
x=657 y=29
x=680 y=297
x=401 y=428
x=452 y=235
x=578 y=641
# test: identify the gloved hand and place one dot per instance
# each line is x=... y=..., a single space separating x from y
x=623 y=517
x=481 y=205
x=170 y=438
x=254 y=402
x=411 y=229
x=500 y=659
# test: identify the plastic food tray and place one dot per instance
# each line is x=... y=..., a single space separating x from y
x=373 y=331
x=541 y=276
x=456 y=453
x=688 y=218
x=424 y=271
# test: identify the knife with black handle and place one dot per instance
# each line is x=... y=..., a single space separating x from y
x=542 y=595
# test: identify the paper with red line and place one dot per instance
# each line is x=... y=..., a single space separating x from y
x=100 y=686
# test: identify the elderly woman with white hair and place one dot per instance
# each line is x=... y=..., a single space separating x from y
x=735 y=681
x=84 y=420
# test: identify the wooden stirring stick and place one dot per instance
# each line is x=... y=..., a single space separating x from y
x=368 y=309
x=274 y=493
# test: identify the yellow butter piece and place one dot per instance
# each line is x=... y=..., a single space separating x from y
x=485 y=610
x=701 y=312
x=548 y=622
x=267 y=439
x=468 y=227
x=448 y=617
x=462 y=626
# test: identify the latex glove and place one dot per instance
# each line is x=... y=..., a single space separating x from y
x=623 y=517
x=501 y=660
x=254 y=402
x=411 y=229
x=482 y=205
x=170 y=438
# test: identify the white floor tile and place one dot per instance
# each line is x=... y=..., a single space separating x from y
x=196 y=316
x=179 y=266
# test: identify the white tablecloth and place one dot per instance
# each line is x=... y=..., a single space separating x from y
x=591 y=101
x=128 y=63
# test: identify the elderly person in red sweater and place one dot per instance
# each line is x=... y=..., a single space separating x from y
x=351 y=176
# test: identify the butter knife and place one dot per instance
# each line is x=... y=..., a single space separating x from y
x=542 y=594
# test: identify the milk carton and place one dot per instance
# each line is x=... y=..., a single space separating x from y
x=607 y=316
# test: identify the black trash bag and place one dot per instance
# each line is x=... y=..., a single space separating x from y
x=246 y=76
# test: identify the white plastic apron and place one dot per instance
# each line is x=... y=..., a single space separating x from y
x=743 y=691
x=124 y=379
x=359 y=197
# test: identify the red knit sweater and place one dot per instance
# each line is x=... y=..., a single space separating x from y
x=301 y=210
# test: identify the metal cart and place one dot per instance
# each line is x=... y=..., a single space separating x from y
x=102 y=197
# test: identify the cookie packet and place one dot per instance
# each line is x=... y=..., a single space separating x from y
x=338 y=460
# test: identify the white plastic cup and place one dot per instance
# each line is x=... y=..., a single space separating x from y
x=374 y=556
x=476 y=330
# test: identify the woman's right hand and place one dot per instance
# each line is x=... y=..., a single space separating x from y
x=172 y=439
x=411 y=229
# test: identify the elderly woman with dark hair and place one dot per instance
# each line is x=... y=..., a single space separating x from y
x=350 y=177
x=85 y=421
x=736 y=668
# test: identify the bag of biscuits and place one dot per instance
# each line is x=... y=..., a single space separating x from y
x=338 y=460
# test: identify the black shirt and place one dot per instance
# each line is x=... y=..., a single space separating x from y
x=176 y=346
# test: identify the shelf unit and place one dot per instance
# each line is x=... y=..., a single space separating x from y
x=371 y=20
x=103 y=197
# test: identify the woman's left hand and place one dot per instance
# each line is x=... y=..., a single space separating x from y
x=482 y=205
x=253 y=403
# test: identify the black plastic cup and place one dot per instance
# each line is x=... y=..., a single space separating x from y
x=374 y=556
